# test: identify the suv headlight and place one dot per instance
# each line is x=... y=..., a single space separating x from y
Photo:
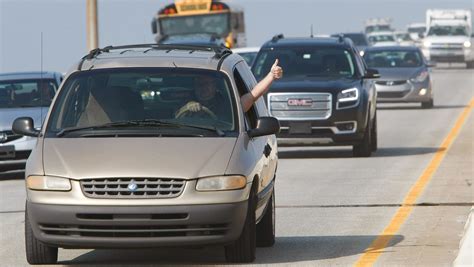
x=348 y=95
x=426 y=43
x=420 y=77
x=220 y=183
x=48 y=183
x=467 y=44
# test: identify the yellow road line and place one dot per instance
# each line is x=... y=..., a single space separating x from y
x=375 y=249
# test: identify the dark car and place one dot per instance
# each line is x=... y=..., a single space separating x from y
x=326 y=97
x=405 y=74
x=358 y=38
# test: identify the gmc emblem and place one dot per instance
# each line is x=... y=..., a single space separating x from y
x=300 y=102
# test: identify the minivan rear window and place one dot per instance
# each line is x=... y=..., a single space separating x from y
x=169 y=95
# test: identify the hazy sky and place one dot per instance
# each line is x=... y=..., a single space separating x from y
x=63 y=24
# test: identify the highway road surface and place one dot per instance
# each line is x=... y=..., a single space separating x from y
x=406 y=205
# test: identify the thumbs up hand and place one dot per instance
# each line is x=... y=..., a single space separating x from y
x=276 y=71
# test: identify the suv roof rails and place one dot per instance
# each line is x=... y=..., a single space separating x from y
x=340 y=38
x=277 y=37
x=219 y=51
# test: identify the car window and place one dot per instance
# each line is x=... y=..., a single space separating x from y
x=393 y=59
x=298 y=62
x=244 y=86
x=115 y=95
x=27 y=93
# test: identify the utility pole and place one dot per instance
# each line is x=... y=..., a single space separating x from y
x=92 y=30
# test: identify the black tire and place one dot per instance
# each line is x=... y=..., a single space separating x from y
x=364 y=149
x=243 y=249
x=374 y=136
x=266 y=226
x=428 y=104
x=36 y=251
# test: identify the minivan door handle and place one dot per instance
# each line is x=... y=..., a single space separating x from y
x=267 y=150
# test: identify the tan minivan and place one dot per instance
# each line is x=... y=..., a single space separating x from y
x=127 y=158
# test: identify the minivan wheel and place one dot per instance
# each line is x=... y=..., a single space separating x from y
x=266 y=226
x=36 y=251
x=364 y=149
x=243 y=249
x=428 y=104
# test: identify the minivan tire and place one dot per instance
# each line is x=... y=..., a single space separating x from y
x=36 y=251
x=243 y=249
x=364 y=149
x=266 y=226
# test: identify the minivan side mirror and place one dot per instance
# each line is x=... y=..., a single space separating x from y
x=265 y=126
x=25 y=126
x=371 y=74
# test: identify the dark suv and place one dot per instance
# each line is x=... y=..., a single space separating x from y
x=326 y=97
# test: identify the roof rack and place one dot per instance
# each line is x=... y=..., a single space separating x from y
x=277 y=37
x=220 y=51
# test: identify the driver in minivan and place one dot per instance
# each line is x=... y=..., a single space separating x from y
x=207 y=100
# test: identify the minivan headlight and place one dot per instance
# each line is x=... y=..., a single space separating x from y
x=220 y=183
x=48 y=183
x=467 y=44
x=348 y=95
x=426 y=43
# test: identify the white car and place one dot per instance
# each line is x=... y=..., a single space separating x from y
x=382 y=39
x=404 y=39
x=248 y=53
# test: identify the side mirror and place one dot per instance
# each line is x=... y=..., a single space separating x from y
x=154 y=28
x=25 y=126
x=421 y=35
x=265 y=126
x=430 y=64
x=371 y=74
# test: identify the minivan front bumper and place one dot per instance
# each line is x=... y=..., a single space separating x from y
x=136 y=226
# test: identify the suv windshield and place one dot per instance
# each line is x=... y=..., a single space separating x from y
x=177 y=100
x=447 y=31
x=381 y=38
x=26 y=93
x=393 y=59
x=316 y=61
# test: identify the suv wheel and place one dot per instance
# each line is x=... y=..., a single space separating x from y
x=374 y=141
x=428 y=104
x=364 y=149
x=266 y=226
x=243 y=249
x=36 y=251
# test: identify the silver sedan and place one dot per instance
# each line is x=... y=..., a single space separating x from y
x=405 y=74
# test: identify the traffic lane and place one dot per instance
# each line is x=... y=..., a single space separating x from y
x=436 y=230
x=12 y=196
x=408 y=138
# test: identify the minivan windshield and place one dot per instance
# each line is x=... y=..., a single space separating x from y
x=393 y=59
x=315 y=61
x=27 y=93
x=178 y=101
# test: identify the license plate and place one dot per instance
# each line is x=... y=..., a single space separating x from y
x=300 y=128
x=7 y=152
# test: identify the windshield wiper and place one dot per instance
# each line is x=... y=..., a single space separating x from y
x=138 y=123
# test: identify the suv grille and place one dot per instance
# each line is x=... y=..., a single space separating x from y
x=300 y=106
x=132 y=187
x=391 y=83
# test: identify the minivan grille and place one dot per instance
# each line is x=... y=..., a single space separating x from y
x=300 y=106
x=132 y=187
